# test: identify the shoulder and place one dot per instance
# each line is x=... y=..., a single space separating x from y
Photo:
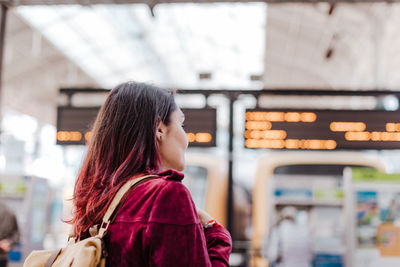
x=160 y=200
x=162 y=183
x=173 y=203
x=171 y=187
x=166 y=182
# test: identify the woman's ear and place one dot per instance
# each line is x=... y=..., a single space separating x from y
x=161 y=130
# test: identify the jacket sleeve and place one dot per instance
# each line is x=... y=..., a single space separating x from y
x=175 y=237
x=219 y=245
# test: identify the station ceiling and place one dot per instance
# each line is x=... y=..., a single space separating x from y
x=33 y=71
x=173 y=48
x=322 y=46
x=153 y=2
x=347 y=46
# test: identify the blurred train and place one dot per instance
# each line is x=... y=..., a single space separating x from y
x=313 y=183
x=310 y=181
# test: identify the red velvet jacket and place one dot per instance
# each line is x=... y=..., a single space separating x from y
x=158 y=226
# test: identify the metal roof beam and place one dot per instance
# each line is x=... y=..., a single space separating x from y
x=282 y=92
x=154 y=2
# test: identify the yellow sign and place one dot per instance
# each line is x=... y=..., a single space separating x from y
x=69 y=136
x=199 y=137
x=347 y=126
x=388 y=238
x=322 y=129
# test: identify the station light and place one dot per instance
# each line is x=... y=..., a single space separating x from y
x=260 y=116
x=199 y=137
x=292 y=117
x=385 y=136
x=191 y=137
x=256 y=116
x=258 y=125
x=330 y=144
x=392 y=127
x=275 y=116
x=308 y=117
x=88 y=135
x=347 y=126
x=310 y=144
x=268 y=134
x=357 y=136
x=318 y=144
x=203 y=137
x=65 y=136
x=255 y=143
x=265 y=116
x=292 y=144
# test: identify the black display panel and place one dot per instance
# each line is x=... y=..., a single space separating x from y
x=322 y=129
x=74 y=124
x=201 y=126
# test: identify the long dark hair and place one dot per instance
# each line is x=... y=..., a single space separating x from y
x=123 y=145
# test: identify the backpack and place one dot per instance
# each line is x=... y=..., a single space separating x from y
x=89 y=251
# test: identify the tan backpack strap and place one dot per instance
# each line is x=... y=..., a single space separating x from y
x=52 y=258
x=116 y=201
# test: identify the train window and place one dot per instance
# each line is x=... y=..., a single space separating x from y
x=313 y=169
x=196 y=181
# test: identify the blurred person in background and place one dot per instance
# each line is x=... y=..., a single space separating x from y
x=139 y=132
x=9 y=234
x=290 y=243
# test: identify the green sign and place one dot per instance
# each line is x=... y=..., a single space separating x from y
x=12 y=188
x=373 y=175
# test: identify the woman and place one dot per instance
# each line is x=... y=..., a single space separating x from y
x=139 y=131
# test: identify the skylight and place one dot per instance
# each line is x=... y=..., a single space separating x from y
x=115 y=43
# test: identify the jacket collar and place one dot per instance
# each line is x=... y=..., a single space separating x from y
x=172 y=174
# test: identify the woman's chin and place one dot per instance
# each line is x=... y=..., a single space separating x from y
x=180 y=168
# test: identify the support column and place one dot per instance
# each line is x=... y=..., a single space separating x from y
x=230 y=208
x=3 y=19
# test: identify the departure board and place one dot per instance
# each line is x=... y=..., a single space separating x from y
x=74 y=125
x=201 y=126
x=322 y=129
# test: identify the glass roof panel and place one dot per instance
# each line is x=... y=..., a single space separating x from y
x=113 y=43
x=61 y=31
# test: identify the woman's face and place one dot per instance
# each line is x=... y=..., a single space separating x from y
x=173 y=142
